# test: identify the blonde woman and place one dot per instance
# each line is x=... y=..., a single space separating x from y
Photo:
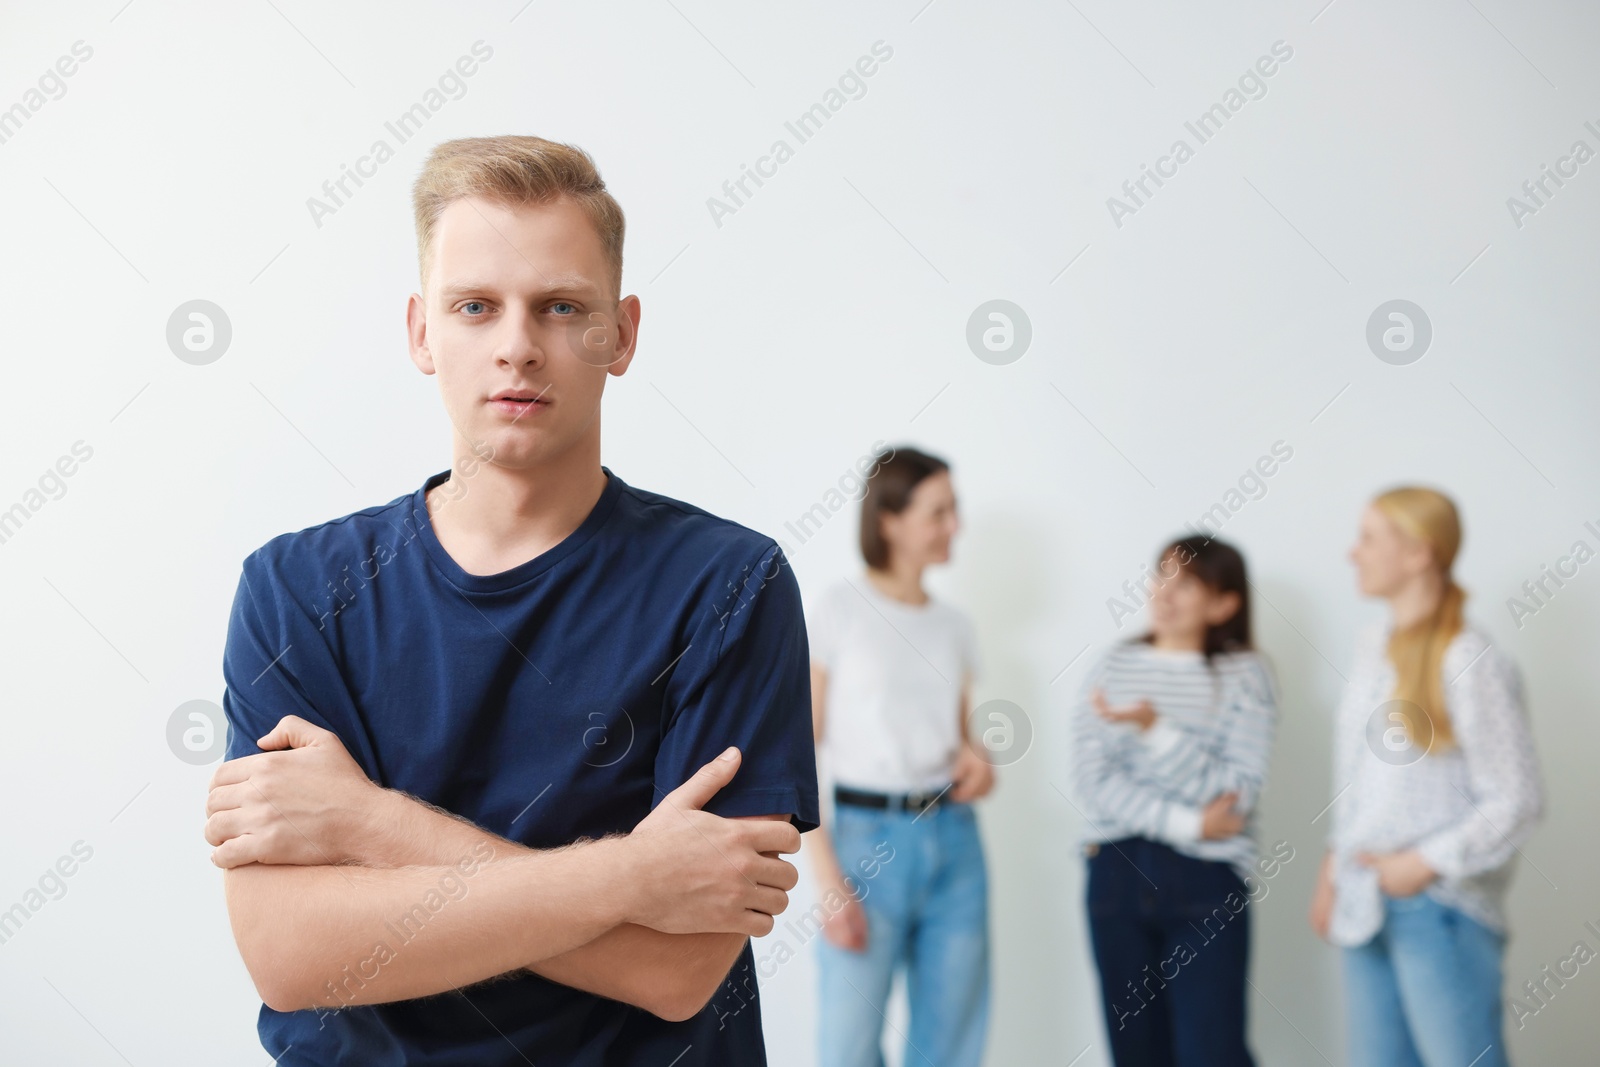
x=1437 y=785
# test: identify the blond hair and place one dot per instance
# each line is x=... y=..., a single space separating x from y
x=515 y=170
x=1417 y=651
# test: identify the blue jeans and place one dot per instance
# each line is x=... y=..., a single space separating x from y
x=926 y=900
x=1171 y=938
x=1425 y=991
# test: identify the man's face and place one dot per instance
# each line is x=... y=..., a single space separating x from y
x=518 y=300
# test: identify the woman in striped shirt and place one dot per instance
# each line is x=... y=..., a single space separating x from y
x=1436 y=785
x=1171 y=739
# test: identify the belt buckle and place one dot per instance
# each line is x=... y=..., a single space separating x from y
x=921 y=802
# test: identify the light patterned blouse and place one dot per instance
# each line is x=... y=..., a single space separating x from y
x=1467 y=809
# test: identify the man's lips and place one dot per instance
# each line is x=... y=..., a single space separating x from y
x=517 y=408
x=525 y=393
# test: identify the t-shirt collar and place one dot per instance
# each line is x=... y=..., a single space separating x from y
x=522 y=572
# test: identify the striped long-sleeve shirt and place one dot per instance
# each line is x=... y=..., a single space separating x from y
x=1213 y=734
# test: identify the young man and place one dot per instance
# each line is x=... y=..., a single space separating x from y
x=474 y=731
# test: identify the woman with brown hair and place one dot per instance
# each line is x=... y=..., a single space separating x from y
x=1436 y=785
x=1171 y=738
x=899 y=862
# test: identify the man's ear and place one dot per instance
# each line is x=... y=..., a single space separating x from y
x=417 y=333
x=628 y=312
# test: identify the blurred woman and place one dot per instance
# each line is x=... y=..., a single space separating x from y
x=1436 y=785
x=1171 y=739
x=900 y=867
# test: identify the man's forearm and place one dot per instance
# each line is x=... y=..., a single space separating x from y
x=659 y=972
x=670 y=975
x=332 y=936
x=403 y=830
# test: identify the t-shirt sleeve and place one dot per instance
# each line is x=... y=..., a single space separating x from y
x=276 y=663
x=745 y=680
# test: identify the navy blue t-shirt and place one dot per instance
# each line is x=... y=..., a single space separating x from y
x=557 y=700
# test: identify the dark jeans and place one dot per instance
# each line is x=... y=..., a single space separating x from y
x=1172 y=941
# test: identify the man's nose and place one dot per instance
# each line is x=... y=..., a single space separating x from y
x=516 y=341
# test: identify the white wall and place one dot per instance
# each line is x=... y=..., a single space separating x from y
x=830 y=310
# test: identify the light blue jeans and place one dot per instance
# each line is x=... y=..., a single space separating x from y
x=1425 y=991
x=927 y=909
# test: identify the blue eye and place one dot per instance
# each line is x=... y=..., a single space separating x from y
x=564 y=304
x=470 y=304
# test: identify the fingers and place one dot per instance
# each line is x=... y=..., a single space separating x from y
x=223 y=825
x=235 y=771
x=847 y=927
x=764 y=898
x=224 y=797
x=704 y=783
x=858 y=927
x=763 y=835
x=293 y=732
x=1132 y=711
x=840 y=934
x=780 y=874
x=851 y=927
x=1223 y=801
x=764 y=903
x=235 y=852
x=970 y=788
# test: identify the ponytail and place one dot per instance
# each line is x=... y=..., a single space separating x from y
x=1417 y=652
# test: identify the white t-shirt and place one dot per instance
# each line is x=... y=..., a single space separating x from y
x=895 y=677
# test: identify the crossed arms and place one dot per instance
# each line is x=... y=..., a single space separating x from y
x=341 y=892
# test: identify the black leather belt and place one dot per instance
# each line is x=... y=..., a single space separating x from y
x=916 y=803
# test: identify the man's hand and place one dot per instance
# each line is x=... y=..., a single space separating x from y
x=973 y=776
x=1400 y=874
x=1142 y=714
x=304 y=805
x=695 y=872
x=1220 y=819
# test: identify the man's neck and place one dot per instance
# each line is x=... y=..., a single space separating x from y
x=491 y=518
